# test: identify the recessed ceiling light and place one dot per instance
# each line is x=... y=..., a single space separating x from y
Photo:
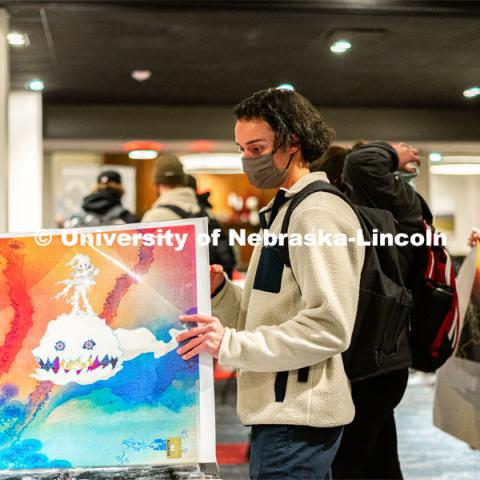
x=286 y=86
x=143 y=154
x=471 y=92
x=35 y=85
x=340 y=46
x=16 y=39
x=435 y=157
x=141 y=75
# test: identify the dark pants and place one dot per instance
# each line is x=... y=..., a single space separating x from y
x=293 y=452
x=369 y=444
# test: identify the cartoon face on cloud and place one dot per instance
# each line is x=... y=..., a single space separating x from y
x=80 y=347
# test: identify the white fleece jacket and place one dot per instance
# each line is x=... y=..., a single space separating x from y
x=309 y=322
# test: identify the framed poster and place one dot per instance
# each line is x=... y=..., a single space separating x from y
x=89 y=374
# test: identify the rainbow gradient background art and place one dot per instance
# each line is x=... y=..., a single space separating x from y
x=145 y=414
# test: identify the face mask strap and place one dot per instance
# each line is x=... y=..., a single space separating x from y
x=275 y=150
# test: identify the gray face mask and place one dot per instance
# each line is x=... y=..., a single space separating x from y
x=262 y=173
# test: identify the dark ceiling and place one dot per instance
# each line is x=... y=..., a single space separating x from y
x=216 y=52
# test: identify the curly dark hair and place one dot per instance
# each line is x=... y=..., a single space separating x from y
x=288 y=112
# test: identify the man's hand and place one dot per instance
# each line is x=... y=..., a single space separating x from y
x=216 y=277
x=206 y=337
x=474 y=237
x=406 y=155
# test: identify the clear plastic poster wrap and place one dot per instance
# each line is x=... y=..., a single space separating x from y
x=457 y=396
x=89 y=374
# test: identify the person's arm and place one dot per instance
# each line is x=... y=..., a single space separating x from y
x=328 y=278
x=369 y=170
x=208 y=334
x=226 y=303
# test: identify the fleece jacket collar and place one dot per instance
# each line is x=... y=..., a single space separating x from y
x=299 y=185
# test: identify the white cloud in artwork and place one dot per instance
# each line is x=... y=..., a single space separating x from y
x=80 y=347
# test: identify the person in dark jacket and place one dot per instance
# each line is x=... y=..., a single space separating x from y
x=104 y=205
x=370 y=173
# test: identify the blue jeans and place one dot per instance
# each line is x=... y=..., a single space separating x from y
x=293 y=452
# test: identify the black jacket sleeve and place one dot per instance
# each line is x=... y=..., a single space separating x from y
x=369 y=170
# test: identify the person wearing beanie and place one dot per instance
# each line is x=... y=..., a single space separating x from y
x=172 y=187
x=104 y=205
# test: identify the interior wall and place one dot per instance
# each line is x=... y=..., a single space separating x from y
x=67 y=121
x=53 y=164
x=422 y=182
x=457 y=196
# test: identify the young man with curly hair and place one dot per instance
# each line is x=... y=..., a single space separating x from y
x=286 y=330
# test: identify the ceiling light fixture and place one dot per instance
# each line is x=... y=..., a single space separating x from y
x=212 y=163
x=141 y=75
x=286 y=86
x=471 y=92
x=340 y=46
x=35 y=85
x=16 y=39
x=435 y=157
x=456 y=169
x=142 y=154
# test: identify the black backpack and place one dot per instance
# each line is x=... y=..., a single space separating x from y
x=221 y=254
x=435 y=324
x=93 y=219
x=384 y=305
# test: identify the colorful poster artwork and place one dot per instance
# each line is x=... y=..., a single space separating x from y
x=89 y=374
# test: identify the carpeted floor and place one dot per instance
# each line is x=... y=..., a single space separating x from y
x=426 y=453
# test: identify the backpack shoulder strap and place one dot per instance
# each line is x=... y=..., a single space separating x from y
x=426 y=212
x=314 y=187
x=177 y=210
